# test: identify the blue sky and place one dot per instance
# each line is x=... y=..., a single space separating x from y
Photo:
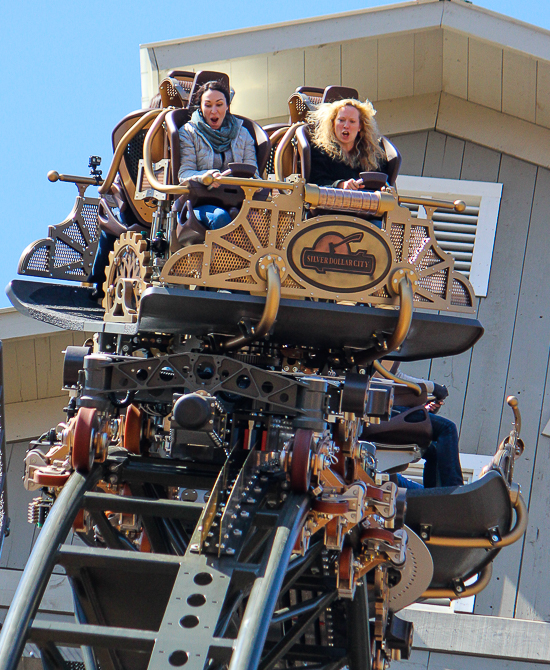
x=70 y=71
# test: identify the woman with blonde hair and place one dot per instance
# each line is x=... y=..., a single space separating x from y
x=345 y=142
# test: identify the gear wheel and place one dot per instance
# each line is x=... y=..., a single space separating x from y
x=128 y=274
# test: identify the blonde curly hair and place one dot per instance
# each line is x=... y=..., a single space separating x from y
x=367 y=152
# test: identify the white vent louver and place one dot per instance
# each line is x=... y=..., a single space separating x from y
x=469 y=237
x=455 y=234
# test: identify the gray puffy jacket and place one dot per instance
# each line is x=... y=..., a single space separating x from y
x=197 y=156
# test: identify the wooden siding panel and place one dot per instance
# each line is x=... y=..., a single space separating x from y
x=428 y=62
x=26 y=364
x=462 y=662
x=412 y=148
x=443 y=156
x=485 y=74
x=323 y=65
x=543 y=94
x=17 y=545
x=480 y=163
x=285 y=72
x=248 y=78
x=360 y=67
x=519 y=85
x=395 y=66
x=497 y=312
x=12 y=377
x=491 y=356
x=455 y=64
x=527 y=379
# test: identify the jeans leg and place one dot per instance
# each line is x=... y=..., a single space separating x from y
x=406 y=483
x=212 y=217
x=105 y=245
x=445 y=441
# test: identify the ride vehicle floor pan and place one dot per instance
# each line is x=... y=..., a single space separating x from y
x=321 y=324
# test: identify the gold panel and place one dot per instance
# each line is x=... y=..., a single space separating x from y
x=335 y=256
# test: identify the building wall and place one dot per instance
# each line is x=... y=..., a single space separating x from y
x=512 y=356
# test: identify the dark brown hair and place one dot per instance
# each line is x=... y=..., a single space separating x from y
x=211 y=86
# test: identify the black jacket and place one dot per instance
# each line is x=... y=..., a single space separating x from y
x=327 y=171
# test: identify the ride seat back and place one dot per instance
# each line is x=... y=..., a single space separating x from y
x=175 y=89
x=129 y=166
x=465 y=512
x=204 y=76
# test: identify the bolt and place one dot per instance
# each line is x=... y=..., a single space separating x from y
x=495 y=538
x=238 y=532
x=245 y=514
x=424 y=535
x=230 y=551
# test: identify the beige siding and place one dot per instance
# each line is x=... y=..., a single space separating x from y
x=543 y=94
x=285 y=73
x=428 y=61
x=395 y=66
x=455 y=64
x=519 y=86
x=485 y=74
x=323 y=65
x=360 y=67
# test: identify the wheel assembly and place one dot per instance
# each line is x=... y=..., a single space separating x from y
x=83 y=452
x=132 y=429
x=300 y=471
x=128 y=274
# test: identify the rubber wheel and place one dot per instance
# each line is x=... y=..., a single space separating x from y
x=300 y=473
x=345 y=565
x=83 y=454
x=132 y=429
x=377 y=534
x=54 y=479
x=330 y=507
x=78 y=523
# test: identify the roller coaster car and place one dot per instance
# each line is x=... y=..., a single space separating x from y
x=212 y=458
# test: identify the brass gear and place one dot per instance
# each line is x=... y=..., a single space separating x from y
x=128 y=274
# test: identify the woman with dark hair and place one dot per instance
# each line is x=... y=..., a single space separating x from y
x=211 y=140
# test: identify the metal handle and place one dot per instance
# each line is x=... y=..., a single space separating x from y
x=404 y=320
x=482 y=542
x=513 y=402
x=482 y=581
x=283 y=144
x=388 y=375
x=72 y=179
x=121 y=148
x=269 y=315
x=457 y=205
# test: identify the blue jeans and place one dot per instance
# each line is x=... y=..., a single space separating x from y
x=442 y=462
x=442 y=467
x=212 y=217
x=105 y=245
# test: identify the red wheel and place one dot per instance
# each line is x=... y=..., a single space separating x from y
x=53 y=479
x=345 y=566
x=335 y=507
x=375 y=493
x=132 y=429
x=377 y=534
x=300 y=473
x=78 y=523
x=83 y=451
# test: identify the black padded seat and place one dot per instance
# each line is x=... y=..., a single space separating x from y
x=390 y=166
x=463 y=511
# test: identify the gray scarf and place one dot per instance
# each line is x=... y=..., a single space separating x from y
x=220 y=140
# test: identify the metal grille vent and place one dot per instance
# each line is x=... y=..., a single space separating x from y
x=455 y=233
